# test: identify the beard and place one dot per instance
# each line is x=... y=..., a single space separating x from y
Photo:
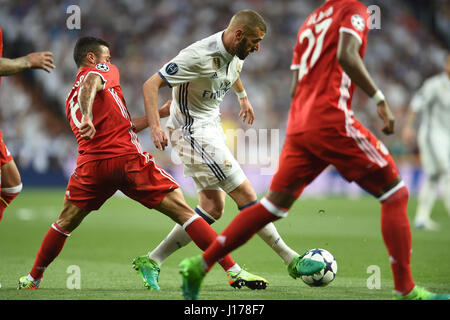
x=241 y=49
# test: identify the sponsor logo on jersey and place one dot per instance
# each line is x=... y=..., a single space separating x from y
x=102 y=67
x=216 y=63
x=172 y=68
x=358 y=22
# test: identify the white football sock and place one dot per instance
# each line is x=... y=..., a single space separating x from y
x=427 y=197
x=176 y=239
x=271 y=236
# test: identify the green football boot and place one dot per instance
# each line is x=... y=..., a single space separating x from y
x=192 y=273
x=420 y=293
x=149 y=271
x=300 y=266
x=247 y=279
x=26 y=284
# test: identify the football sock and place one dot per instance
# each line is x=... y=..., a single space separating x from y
x=51 y=246
x=427 y=197
x=203 y=235
x=241 y=229
x=397 y=238
x=271 y=236
x=7 y=196
x=176 y=239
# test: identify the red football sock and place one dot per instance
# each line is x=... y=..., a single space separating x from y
x=239 y=231
x=203 y=235
x=5 y=200
x=397 y=237
x=50 y=248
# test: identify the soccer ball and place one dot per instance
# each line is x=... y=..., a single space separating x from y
x=326 y=275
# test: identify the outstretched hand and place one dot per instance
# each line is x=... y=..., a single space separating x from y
x=41 y=60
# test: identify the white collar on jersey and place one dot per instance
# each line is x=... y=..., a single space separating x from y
x=222 y=49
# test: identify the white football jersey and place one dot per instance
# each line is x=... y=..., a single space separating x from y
x=200 y=76
x=433 y=102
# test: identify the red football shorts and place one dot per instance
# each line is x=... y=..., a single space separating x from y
x=352 y=149
x=141 y=179
x=5 y=156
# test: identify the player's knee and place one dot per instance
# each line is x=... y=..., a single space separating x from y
x=215 y=210
x=16 y=189
x=400 y=195
x=280 y=200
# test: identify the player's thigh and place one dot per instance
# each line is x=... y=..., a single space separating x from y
x=175 y=207
x=10 y=176
x=93 y=183
x=359 y=156
x=434 y=153
x=297 y=168
x=148 y=183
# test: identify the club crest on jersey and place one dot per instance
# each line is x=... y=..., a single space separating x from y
x=102 y=67
x=172 y=68
x=358 y=22
x=216 y=63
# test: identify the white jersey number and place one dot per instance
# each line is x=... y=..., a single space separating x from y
x=320 y=30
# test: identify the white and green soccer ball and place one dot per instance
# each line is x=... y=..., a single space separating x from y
x=326 y=275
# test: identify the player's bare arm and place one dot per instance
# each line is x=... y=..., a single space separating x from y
x=246 y=112
x=408 y=130
x=141 y=123
x=35 y=60
x=150 y=91
x=91 y=85
x=351 y=62
x=293 y=83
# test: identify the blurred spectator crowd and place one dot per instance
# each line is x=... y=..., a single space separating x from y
x=146 y=34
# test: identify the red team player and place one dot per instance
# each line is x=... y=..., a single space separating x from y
x=322 y=131
x=11 y=184
x=110 y=159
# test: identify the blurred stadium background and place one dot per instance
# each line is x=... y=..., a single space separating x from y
x=409 y=47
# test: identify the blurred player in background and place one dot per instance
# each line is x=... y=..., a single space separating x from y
x=322 y=130
x=110 y=159
x=200 y=76
x=432 y=102
x=10 y=181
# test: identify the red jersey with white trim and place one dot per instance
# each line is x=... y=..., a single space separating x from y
x=324 y=91
x=115 y=133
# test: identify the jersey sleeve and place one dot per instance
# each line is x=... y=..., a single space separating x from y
x=109 y=74
x=354 y=21
x=186 y=66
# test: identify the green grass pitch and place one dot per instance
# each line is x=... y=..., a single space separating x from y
x=107 y=241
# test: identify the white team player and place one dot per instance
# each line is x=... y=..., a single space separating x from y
x=200 y=76
x=432 y=102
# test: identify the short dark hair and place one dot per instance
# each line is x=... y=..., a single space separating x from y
x=85 y=45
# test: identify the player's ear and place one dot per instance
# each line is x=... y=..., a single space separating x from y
x=91 y=58
x=239 y=34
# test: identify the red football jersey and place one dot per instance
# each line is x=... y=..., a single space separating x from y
x=324 y=91
x=115 y=133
